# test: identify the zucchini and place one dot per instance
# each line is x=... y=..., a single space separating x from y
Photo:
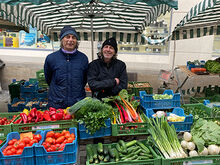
x=143 y=158
x=118 y=147
x=107 y=158
x=116 y=155
x=153 y=152
x=143 y=147
x=105 y=150
x=95 y=154
x=101 y=157
x=130 y=158
x=89 y=153
x=138 y=151
x=122 y=143
x=131 y=143
x=100 y=148
x=111 y=152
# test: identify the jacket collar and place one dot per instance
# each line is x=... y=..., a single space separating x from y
x=65 y=54
x=107 y=64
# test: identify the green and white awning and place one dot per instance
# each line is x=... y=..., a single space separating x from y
x=124 y=19
x=202 y=20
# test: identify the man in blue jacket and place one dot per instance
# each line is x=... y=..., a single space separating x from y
x=65 y=71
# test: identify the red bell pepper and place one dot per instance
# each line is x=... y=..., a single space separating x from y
x=67 y=117
x=59 y=114
x=24 y=117
x=39 y=117
x=33 y=112
x=46 y=116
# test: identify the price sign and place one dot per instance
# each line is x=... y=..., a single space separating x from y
x=198 y=162
x=45 y=127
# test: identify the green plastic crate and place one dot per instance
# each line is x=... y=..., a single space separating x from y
x=156 y=161
x=197 y=160
x=135 y=129
x=44 y=125
x=199 y=105
x=141 y=86
x=6 y=129
x=40 y=75
x=4 y=140
x=130 y=86
x=214 y=98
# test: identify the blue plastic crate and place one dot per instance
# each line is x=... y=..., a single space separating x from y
x=29 y=87
x=42 y=95
x=26 y=158
x=28 y=95
x=18 y=108
x=147 y=101
x=104 y=131
x=67 y=156
x=179 y=126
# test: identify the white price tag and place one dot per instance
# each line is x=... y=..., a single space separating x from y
x=197 y=162
x=45 y=127
x=1 y=134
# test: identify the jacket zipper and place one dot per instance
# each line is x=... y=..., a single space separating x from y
x=68 y=65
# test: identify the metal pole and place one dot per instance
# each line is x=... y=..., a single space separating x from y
x=92 y=38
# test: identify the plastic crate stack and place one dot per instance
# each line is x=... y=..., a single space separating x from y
x=29 y=95
x=14 y=89
x=37 y=154
x=41 y=79
x=151 y=105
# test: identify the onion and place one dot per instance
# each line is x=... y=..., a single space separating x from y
x=184 y=144
x=187 y=136
x=193 y=153
x=191 y=146
x=213 y=149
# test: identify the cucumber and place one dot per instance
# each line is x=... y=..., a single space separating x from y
x=143 y=147
x=118 y=147
x=100 y=148
x=111 y=152
x=122 y=143
x=116 y=155
x=143 y=158
x=131 y=143
x=89 y=153
x=130 y=158
x=107 y=158
x=95 y=154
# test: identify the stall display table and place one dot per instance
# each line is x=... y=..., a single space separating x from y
x=188 y=80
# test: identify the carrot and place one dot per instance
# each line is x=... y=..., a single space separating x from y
x=121 y=115
x=132 y=111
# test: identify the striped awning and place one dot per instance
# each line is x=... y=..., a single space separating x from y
x=202 y=20
x=106 y=17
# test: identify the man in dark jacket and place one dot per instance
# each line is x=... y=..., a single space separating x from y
x=65 y=71
x=107 y=76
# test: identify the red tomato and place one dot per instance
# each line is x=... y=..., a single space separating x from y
x=63 y=132
x=60 y=140
x=26 y=140
x=1 y=141
x=21 y=145
x=49 y=140
x=70 y=140
x=37 y=137
x=19 y=152
x=50 y=134
x=67 y=135
x=57 y=135
x=11 y=142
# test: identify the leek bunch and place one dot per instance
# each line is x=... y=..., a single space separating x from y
x=166 y=138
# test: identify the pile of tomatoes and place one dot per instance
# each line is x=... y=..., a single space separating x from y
x=16 y=147
x=5 y=121
x=55 y=141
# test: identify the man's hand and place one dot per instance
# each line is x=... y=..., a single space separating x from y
x=117 y=81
